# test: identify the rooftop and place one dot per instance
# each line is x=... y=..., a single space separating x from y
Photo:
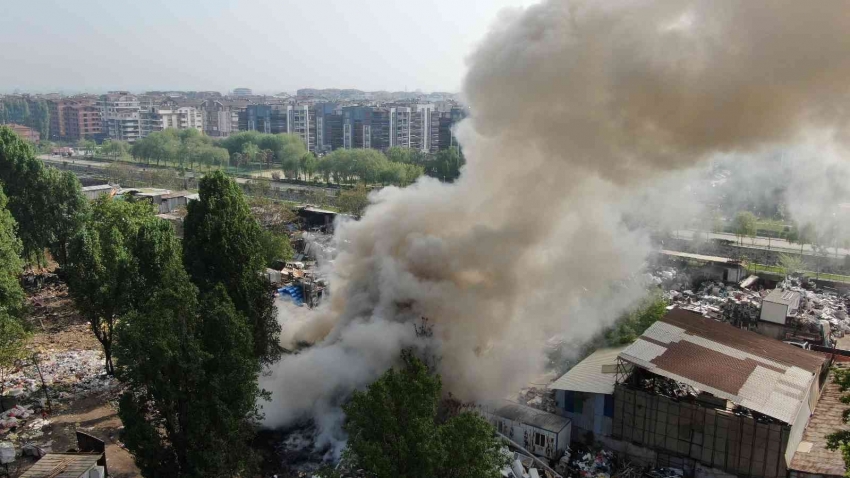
x=700 y=257
x=812 y=455
x=595 y=374
x=99 y=187
x=748 y=369
x=785 y=297
x=63 y=465
x=530 y=416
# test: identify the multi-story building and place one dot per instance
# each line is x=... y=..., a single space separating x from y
x=411 y=127
x=329 y=127
x=242 y=92
x=270 y=119
x=121 y=116
x=220 y=119
x=357 y=127
x=75 y=118
x=184 y=117
x=25 y=132
x=301 y=120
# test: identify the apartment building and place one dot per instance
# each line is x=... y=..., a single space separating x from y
x=357 y=127
x=184 y=117
x=242 y=92
x=220 y=119
x=75 y=118
x=121 y=116
x=411 y=127
x=270 y=119
x=329 y=127
x=301 y=120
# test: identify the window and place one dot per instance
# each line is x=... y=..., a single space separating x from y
x=539 y=439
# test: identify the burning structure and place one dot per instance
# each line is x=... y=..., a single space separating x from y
x=577 y=109
x=693 y=392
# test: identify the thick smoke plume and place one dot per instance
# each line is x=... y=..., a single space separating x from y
x=577 y=109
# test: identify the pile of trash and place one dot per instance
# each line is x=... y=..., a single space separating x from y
x=21 y=426
x=523 y=466
x=66 y=374
x=590 y=464
x=539 y=398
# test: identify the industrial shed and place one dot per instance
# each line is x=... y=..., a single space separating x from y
x=701 y=393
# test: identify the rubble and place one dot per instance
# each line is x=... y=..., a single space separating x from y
x=540 y=398
x=67 y=374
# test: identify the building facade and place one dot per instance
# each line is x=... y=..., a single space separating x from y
x=300 y=121
x=220 y=120
x=242 y=92
x=121 y=116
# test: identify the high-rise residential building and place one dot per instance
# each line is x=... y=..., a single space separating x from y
x=301 y=120
x=242 y=92
x=270 y=119
x=328 y=127
x=357 y=127
x=74 y=118
x=220 y=118
x=121 y=116
x=184 y=117
x=447 y=121
x=414 y=127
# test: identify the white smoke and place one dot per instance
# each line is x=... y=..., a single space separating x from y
x=580 y=110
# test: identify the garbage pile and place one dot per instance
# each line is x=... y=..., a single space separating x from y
x=66 y=374
x=523 y=466
x=539 y=398
x=20 y=428
x=818 y=304
x=586 y=464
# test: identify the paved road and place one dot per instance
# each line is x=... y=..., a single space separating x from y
x=759 y=242
x=104 y=164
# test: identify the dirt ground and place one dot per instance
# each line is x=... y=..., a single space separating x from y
x=58 y=327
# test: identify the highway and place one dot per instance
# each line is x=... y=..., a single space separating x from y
x=758 y=242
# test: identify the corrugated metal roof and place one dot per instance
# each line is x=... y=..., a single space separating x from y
x=750 y=370
x=62 y=465
x=700 y=257
x=812 y=455
x=587 y=376
x=530 y=416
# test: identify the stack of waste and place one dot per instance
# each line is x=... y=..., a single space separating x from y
x=590 y=464
x=539 y=398
x=66 y=374
x=523 y=466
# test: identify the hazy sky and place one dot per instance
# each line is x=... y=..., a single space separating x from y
x=267 y=45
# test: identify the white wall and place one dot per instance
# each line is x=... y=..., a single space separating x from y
x=773 y=312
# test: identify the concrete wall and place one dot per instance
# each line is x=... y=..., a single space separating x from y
x=680 y=431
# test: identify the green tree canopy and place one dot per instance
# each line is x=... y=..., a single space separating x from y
x=222 y=245
x=105 y=277
x=353 y=201
x=393 y=430
x=745 y=224
x=189 y=409
x=11 y=265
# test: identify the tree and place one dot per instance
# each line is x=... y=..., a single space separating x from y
x=190 y=405
x=745 y=225
x=353 y=201
x=790 y=264
x=840 y=440
x=68 y=213
x=250 y=151
x=805 y=234
x=115 y=149
x=222 y=245
x=633 y=324
x=87 y=146
x=276 y=247
x=393 y=430
x=102 y=271
x=13 y=341
x=11 y=294
x=26 y=182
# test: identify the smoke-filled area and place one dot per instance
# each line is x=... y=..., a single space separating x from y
x=583 y=114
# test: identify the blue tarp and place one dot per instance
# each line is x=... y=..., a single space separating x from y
x=292 y=292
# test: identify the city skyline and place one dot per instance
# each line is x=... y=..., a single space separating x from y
x=271 y=47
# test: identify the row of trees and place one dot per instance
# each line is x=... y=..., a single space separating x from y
x=186 y=148
x=27 y=111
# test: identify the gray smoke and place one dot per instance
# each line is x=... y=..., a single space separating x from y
x=579 y=110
